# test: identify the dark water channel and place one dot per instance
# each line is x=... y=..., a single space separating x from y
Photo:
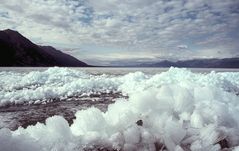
x=14 y=116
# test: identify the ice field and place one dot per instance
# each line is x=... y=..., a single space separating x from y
x=175 y=110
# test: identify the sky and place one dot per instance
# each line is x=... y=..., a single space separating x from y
x=120 y=32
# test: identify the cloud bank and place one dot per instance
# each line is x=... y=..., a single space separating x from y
x=96 y=30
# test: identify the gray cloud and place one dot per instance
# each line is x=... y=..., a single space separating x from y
x=182 y=47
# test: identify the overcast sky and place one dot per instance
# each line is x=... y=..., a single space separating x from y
x=115 y=31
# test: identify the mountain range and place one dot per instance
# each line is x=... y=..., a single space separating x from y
x=197 y=63
x=16 y=50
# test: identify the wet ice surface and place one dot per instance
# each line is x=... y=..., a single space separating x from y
x=23 y=115
x=62 y=109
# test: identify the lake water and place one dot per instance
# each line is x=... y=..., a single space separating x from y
x=116 y=71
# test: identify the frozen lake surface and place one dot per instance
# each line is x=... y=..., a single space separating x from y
x=119 y=109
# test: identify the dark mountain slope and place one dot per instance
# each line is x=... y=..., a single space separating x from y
x=16 y=50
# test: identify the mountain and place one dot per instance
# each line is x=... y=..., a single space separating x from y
x=197 y=63
x=16 y=50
